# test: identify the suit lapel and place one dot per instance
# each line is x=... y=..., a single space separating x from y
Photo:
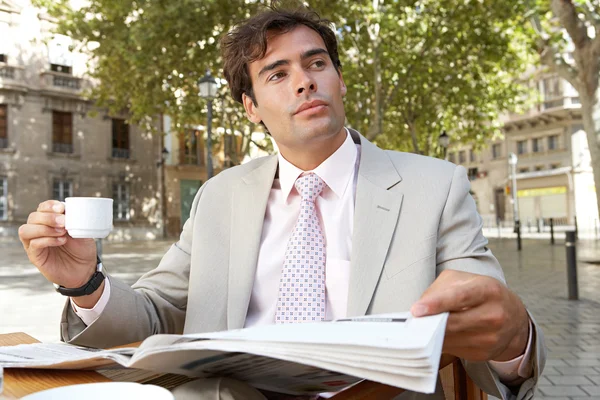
x=250 y=199
x=376 y=213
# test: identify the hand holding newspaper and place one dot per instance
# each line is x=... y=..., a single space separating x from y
x=394 y=349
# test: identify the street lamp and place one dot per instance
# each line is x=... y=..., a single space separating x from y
x=512 y=161
x=444 y=142
x=208 y=90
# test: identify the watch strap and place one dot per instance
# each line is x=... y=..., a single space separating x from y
x=90 y=287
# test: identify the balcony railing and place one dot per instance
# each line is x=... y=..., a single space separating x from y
x=120 y=153
x=558 y=102
x=68 y=82
x=3 y=143
x=62 y=82
x=62 y=147
x=11 y=77
x=8 y=72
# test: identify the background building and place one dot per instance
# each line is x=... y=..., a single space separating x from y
x=51 y=146
x=554 y=175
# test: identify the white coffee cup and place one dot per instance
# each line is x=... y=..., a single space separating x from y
x=88 y=217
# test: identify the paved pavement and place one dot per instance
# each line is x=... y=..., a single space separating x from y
x=538 y=274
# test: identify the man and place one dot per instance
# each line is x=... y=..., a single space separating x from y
x=386 y=231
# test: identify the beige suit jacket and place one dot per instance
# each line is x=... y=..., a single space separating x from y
x=414 y=218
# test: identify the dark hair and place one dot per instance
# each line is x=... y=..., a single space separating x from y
x=247 y=42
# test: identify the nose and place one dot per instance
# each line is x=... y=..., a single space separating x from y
x=305 y=83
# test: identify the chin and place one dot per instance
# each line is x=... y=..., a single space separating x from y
x=323 y=128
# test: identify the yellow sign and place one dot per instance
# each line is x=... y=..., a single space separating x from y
x=542 y=191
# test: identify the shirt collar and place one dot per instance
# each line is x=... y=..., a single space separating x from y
x=336 y=171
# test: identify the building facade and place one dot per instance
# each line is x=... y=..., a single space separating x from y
x=553 y=172
x=54 y=143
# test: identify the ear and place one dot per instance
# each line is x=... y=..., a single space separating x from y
x=343 y=88
x=251 y=109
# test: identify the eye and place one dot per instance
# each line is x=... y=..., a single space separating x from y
x=318 y=64
x=276 y=76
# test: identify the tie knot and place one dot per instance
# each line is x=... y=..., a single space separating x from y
x=309 y=186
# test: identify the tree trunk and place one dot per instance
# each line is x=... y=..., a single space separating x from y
x=590 y=106
x=413 y=135
x=378 y=122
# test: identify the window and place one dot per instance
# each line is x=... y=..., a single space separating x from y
x=523 y=170
x=522 y=147
x=471 y=156
x=61 y=189
x=473 y=174
x=190 y=148
x=496 y=150
x=62 y=132
x=536 y=145
x=462 y=157
x=552 y=92
x=553 y=142
x=451 y=157
x=3 y=126
x=121 y=202
x=120 y=138
x=3 y=199
x=3 y=58
x=61 y=68
x=539 y=167
x=554 y=166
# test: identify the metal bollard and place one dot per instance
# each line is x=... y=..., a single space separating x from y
x=551 y=230
x=576 y=229
x=570 y=245
x=518 y=231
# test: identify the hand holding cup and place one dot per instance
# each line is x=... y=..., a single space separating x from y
x=47 y=239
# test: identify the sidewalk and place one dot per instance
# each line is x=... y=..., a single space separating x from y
x=538 y=274
x=572 y=328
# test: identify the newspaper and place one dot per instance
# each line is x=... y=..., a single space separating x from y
x=310 y=358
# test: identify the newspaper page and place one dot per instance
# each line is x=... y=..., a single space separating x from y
x=394 y=349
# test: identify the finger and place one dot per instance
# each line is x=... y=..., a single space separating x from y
x=47 y=219
x=454 y=297
x=31 y=231
x=45 y=242
x=51 y=206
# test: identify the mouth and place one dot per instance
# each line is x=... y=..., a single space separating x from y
x=311 y=107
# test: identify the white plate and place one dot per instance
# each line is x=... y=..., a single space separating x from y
x=103 y=391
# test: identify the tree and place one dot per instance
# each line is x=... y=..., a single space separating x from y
x=413 y=67
x=573 y=26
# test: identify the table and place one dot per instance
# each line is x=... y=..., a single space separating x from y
x=19 y=382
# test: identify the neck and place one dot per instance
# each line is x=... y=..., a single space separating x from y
x=310 y=157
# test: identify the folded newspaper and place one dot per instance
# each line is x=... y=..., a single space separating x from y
x=394 y=349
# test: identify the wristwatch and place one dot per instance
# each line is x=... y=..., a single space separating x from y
x=90 y=287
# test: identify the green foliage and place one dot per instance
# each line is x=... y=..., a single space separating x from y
x=413 y=67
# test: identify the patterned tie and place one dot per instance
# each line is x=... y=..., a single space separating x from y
x=302 y=285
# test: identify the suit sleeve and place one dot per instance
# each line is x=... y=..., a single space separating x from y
x=155 y=304
x=462 y=246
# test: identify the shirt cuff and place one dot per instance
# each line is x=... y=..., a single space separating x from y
x=89 y=315
x=518 y=368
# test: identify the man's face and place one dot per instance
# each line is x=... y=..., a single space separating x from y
x=296 y=73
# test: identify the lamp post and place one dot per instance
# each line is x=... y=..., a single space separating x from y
x=208 y=90
x=444 y=142
x=512 y=161
x=163 y=183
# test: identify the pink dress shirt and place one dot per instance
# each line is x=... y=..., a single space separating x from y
x=336 y=213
